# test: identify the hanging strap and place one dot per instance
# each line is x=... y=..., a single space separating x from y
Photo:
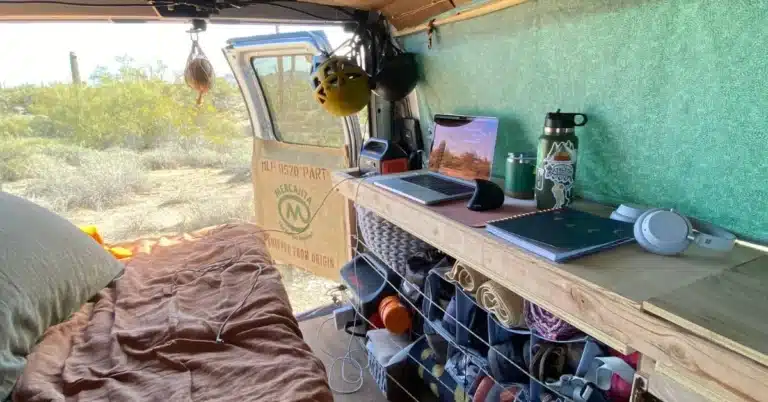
x=196 y=52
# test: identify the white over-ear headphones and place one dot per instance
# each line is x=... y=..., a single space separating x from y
x=666 y=232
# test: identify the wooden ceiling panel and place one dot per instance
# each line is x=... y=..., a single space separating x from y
x=359 y=4
x=66 y=12
x=414 y=16
x=401 y=13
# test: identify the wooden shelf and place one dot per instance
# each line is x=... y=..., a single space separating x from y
x=600 y=294
x=730 y=308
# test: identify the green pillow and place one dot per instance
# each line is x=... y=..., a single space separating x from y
x=48 y=269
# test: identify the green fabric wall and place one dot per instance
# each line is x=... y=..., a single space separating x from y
x=676 y=92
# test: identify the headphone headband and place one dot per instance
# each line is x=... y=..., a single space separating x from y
x=712 y=236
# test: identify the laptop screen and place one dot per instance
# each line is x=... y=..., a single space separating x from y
x=463 y=146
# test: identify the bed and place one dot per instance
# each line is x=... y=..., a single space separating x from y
x=151 y=334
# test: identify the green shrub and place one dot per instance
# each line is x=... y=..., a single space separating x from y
x=15 y=125
x=197 y=153
x=20 y=158
x=102 y=180
x=216 y=212
x=29 y=158
x=133 y=108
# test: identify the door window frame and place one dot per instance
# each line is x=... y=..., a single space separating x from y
x=268 y=110
x=239 y=52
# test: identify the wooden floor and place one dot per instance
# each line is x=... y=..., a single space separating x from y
x=335 y=342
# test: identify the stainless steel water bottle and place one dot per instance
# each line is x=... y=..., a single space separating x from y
x=556 y=160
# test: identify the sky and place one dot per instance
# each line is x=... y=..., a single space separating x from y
x=479 y=137
x=39 y=52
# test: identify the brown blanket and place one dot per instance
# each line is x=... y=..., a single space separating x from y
x=150 y=335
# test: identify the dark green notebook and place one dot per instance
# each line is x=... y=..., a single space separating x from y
x=562 y=234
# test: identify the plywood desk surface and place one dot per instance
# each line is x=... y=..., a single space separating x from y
x=730 y=308
x=602 y=294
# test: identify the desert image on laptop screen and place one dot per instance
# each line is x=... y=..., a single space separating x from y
x=464 y=148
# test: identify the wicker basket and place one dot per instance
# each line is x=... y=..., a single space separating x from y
x=390 y=243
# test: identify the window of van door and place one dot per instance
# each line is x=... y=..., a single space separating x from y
x=296 y=117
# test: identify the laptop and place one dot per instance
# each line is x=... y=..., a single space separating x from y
x=462 y=150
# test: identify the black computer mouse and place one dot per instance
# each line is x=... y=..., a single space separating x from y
x=488 y=195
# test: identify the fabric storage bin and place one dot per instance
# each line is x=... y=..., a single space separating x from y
x=489 y=390
x=512 y=344
x=390 y=369
x=466 y=367
x=387 y=241
x=454 y=319
x=432 y=373
x=579 y=353
x=470 y=315
x=498 y=333
x=439 y=297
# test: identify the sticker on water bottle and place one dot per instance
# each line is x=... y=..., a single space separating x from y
x=559 y=167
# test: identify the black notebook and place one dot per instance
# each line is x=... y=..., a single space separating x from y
x=562 y=234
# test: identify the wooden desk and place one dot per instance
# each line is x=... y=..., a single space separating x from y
x=602 y=294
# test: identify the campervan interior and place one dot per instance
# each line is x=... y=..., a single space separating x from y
x=301 y=200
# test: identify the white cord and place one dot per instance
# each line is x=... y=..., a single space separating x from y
x=345 y=360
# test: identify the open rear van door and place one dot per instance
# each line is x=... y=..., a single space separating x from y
x=296 y=145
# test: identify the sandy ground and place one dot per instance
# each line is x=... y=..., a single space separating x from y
x=188 y=199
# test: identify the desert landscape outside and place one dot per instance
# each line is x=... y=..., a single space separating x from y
x=126 y=149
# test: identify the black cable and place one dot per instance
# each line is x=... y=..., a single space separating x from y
x=343 y=11
x=287 y=8
x=174 y=3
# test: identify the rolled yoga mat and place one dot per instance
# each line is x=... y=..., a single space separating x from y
x=506 y=306
x=466 y=277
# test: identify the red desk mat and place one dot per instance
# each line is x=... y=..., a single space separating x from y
x=457 y=211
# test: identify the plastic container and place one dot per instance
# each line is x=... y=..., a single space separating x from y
x=394 y=315
x=369 y=279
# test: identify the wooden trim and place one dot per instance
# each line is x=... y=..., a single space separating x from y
x=475 y=12
x=669 y=390
x=608 y=316
x=728 y=308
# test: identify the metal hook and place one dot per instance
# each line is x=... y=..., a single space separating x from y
x=198 y=25
x=430 y=31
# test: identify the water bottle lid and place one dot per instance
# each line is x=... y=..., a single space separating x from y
x=564 y=120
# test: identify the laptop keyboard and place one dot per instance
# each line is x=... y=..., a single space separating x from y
x=438 y=184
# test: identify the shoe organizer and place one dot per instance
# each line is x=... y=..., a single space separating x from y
x=458 y=309
x=577 y=354
x=439 y=298
x=453 y=313
x=422 y=357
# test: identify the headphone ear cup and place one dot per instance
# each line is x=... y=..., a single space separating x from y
x=660 y=243
x=638 y=230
